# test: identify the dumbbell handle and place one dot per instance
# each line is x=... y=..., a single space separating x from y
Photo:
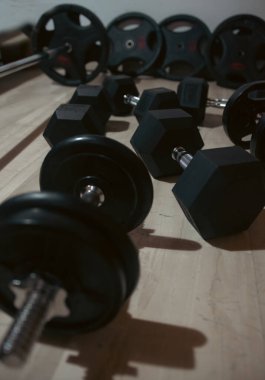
x=217 y=103
x=131 y=99
x=28 y=323
x=11 y=67
x=183 y=158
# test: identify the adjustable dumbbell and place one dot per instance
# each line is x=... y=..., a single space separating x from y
x=221 y=191
x=103 y=172
x=89 y=109
x=63 y=265
x=151 y=99
x=158 y=133
x=70 y=43
x=241 y=112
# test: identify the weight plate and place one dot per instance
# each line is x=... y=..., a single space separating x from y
x=242 y=111
x=55 y=234
x=257 y=142
x=77 y=162
x=236 y=51
x=135 y=43
x=79 y=28
x=183 y=52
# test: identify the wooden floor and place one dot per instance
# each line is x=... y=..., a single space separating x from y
x=198 y=312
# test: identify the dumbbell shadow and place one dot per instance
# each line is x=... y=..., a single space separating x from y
x=143 y=237
x=109 y=351
x=212 y=121
x=18 y=78
x=22 y=145
x=117 y=126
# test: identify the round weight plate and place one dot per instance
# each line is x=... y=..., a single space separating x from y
x=242 y=111
x=135 y=43
x=183 y=52
x=55 y=234
x=236 y=51
x=107 y=164
x=79 y=28
x=257 y=142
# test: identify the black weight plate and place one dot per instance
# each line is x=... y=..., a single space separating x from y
x=54 y=234
x=257 y=142
x=107 y=164
x=236 y=51
x=135 y=43
x=183 y=52
x=79 y=27
x=240 y=115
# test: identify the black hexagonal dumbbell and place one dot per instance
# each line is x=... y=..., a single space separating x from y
x=116 y=86
x=89 y=109
x=71 y=120
x=108 y=98
x=158 y=133
x=192 y=97
x=152 y=99
x=94 y=96
x=221 y=190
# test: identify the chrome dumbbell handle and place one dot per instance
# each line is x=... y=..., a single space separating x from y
x=29 y=322
x=216 y=103
x=131 y=99
x=182 y=157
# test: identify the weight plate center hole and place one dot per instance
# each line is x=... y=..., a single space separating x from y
x=69 y=47
x=129 y=44
x=241 y=53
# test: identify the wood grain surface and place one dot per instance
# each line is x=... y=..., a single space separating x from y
x=198 y=312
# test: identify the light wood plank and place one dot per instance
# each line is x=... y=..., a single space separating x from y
x=198 y=312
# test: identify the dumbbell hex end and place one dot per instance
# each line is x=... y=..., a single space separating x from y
x=222 y=191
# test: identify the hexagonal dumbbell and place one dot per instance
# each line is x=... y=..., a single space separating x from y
x=94 y=96
x=89 y=109
x=152 y=99
x=221 y=190
x=108 y=98
x=158 y=133
x=192 y=97
x=115 y=87
x=71 y=120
